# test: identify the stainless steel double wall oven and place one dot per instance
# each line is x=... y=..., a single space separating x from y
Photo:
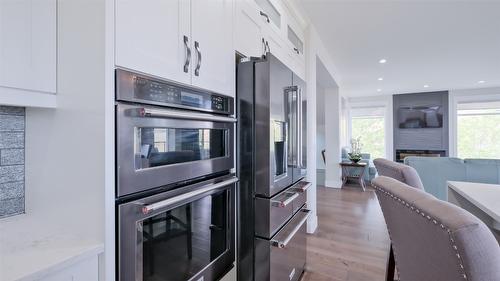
x=175 y=181
x=271 y=137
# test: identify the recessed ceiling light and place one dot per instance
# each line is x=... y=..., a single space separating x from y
x=379 y=90
x=426 y=86
x=481 y=81
x=382 y=61
x=380 y=78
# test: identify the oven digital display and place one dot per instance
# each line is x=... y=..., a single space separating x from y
x=191 y=99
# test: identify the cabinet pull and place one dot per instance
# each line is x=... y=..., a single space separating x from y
x=198 y=64
x=296 y=50
x=265 y=15
x=188 y=54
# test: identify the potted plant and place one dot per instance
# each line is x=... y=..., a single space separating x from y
x=356 y=146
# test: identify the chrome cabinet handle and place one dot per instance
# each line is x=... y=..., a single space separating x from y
x=296 y=50
x=286 y=202
x=188 y=54
x=198 y=64
x=282 y=243
x=146 y=209
x=177 y=114
x=265 y=15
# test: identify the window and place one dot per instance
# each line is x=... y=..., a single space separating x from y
x=478 y=130
x=369 y=124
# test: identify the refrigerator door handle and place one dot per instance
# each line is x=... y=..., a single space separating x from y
x=299 y=128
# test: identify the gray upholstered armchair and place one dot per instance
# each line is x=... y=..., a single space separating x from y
x=398 y=171
x=433 y=239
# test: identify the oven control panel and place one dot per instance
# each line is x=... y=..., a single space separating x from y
x=139 y=88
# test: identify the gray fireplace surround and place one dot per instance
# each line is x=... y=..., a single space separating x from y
x=12 y=133
x=432 y=139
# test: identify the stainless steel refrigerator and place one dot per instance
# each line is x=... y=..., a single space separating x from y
x=271 y=161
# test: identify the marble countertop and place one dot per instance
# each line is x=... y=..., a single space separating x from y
x=31 y=249
x=484 y=196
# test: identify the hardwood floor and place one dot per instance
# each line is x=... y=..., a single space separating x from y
x=351 y=242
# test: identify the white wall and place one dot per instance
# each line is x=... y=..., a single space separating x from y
x=314 y=50
x=464 y=96
x=333 y=138
x=64 y=146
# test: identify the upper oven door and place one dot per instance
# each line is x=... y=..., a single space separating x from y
x=160 y=146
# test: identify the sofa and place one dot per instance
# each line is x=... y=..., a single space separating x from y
x=370 y=171
x=436 y=171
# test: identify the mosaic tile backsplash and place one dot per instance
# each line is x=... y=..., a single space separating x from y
x=12 y=126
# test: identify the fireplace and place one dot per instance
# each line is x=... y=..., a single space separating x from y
x=401 y=154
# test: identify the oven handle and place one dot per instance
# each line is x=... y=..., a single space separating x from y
x=146 y=209
x=166 y=113
x=282 y=243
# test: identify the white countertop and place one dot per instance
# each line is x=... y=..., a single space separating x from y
x=31 y=249
x=484 y=196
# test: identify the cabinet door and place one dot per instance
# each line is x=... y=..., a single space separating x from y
x=213 y=51
x=28 y=44
x=150 y=37
x=248 y=34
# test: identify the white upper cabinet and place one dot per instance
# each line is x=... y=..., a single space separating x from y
x=28 y=46
x=185 y=41
x=153 y=36
x=273 y=21
x=213 y=51
x=249 y=34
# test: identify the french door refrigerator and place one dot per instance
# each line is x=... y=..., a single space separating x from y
x=271 y=161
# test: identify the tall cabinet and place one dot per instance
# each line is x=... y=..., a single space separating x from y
x=185 y=41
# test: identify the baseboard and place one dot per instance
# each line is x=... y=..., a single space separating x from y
x=312 y=224
x=333 y=184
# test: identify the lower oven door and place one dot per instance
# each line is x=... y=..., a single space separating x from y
x=185 y=234
x=283 y=258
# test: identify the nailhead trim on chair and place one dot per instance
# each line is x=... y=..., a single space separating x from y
x=429 y=218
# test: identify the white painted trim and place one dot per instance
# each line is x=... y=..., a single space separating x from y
x=27 y=98
x=333 y=184
x=465 y=96
x=107 y=265
x=294 y=12
x=312 y=223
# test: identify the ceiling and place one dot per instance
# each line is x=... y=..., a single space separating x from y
x=441 y=44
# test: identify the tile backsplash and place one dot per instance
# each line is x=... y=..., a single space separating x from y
x=12 y=126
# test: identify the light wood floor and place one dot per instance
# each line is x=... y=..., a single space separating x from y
x=351 y=242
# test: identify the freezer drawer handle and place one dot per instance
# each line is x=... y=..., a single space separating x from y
x=304 y=186
x=286 y=202
x=146 y=209
x=283 y=243
x=176 y=114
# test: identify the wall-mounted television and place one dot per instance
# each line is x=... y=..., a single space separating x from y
x=414 y=117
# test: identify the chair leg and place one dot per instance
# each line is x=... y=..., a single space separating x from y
x=189 y=235
x=391 y=266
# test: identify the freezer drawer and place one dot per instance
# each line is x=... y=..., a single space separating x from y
x=272 y=213
x=283 y=257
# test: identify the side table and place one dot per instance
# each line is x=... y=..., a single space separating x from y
x=356 y=171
